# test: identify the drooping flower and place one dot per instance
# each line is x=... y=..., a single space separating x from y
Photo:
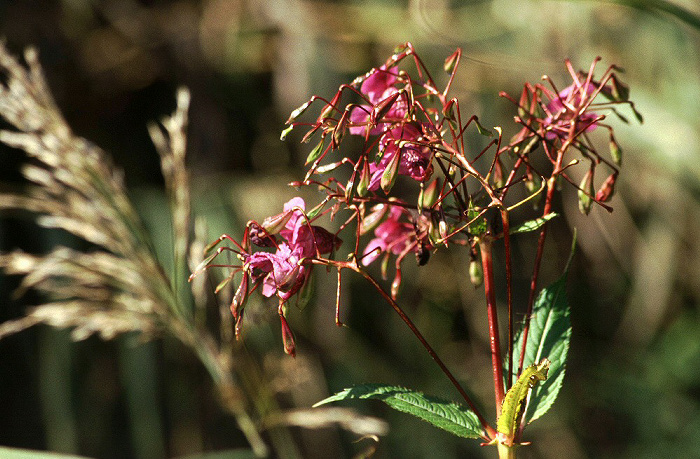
x=379 y=87
x=391 y=236
x=282 y=273
x=415 y=158
x=570 y=106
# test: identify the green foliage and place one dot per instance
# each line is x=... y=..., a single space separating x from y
x=533 y=225
x=450 y=416
x=548 y=337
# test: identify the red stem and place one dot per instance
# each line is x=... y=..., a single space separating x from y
x=535 y=274
x=551 y=186
x=509 y=288
x=489 y=290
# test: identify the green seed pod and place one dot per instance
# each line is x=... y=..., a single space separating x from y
x=476 y=273
x=585 y=193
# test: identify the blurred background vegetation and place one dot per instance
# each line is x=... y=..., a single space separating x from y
x=632 y=387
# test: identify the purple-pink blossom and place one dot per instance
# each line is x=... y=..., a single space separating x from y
x=378 y=87
x=282 y=272
x=391 y=236
x=415 y=160
x=570 y=106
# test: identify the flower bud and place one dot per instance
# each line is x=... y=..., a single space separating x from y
x=315 y=153
x=392 y=170
x=442 y=229
x=524 y=104
x=339 y=131
x=476 y=273
x=239 y=298
x=288 y=338
x=585 y=192
x=451 y=61
x=428 y=195
x=396 y=284
x=285 y=133
x=383 y=107
x=328 y=109
x=615 y=151
x=296 y=113
x=607 y=189
x=370 y=221
x=363 y=184
x=620 y=91
x=497 y=178
x=275 y=223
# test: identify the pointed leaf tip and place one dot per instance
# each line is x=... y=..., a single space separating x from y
x=452 y=417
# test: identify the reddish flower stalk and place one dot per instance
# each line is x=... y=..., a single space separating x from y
x=509 y=289
x=492 y=314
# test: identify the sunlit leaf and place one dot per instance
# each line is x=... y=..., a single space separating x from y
x=450 y=416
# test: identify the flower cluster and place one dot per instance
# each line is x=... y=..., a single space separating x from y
x=281 y=273
x=412 y=129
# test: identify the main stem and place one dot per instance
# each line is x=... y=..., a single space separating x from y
x=494 y=339
x=509 y=289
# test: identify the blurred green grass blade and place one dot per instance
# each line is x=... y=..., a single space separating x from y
x=56 y=388
x=663 y=6
x=14 y=453
x=238 y=453
x=138 y=363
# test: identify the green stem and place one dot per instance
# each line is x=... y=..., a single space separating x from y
x=505 y=451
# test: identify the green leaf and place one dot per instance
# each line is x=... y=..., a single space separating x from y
x=549 y=337
x=450 y=416
x=533 y=225
x=479 y=226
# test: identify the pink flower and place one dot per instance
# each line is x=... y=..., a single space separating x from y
x=283 y=272
x=301 y=234
x=415 y=159
x=570 y=106
x=390 y=236
x=378 y=88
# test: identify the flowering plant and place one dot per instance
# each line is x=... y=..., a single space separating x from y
x=414 y=133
